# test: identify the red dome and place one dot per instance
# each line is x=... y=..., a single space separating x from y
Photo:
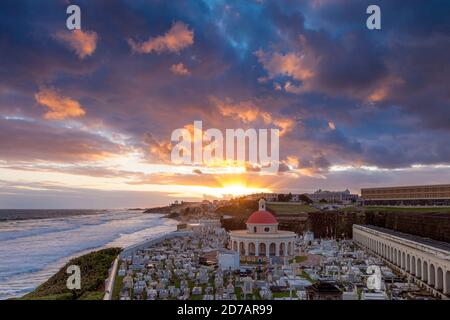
x=262 y=217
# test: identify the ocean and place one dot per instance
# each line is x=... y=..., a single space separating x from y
x=36 y=243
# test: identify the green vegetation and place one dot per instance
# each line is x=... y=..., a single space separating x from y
x=285 y=208
x=298 y=259
x=238 y=208
x=239 y=294
x=284 y=294
x=92 y=295
x=118 y=282
x=94 y=268
x=306 y=276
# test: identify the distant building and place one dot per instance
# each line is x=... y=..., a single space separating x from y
x=426 y=195
x=270 y=197
x=275 y=197
x=333 y=196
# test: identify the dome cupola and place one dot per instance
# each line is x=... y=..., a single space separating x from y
x=262 y=221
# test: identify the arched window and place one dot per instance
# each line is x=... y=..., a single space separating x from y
x=262 y=249
x=242 y=248
x=251 y=249
x=282 y=249
x=440 y=279
x=432 y=281
x=272 y=249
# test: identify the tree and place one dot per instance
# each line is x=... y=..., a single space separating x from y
x=305 y=198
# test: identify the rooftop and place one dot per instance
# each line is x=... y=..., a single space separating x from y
x=425 y=241
x=276 y=235
x=262 y=217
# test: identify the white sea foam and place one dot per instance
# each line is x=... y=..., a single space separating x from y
x=32 y=250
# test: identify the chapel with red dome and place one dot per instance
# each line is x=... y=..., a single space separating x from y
x=262 y=237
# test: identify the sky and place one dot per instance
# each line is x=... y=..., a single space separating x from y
x=86 y=116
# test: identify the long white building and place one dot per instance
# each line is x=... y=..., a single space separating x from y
x=426 y=261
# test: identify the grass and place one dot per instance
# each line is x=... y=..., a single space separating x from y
x=282 y=208
x=306 y=276
x=92 y=295
x=284 y=294
x=118 y=282
x=239 y=294
x=94 y=268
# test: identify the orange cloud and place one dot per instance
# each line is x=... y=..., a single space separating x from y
x=385 y=89
x=378 y=94
x=174 y=40
x=59 y=107
x=180 y=69
x=293 y=161
x=291 y=64
x=247 y=111
x=159 y=150
x=83 y=43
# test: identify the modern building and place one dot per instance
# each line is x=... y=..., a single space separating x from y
x=262 y=237
x=426 y=195
x=425 y=261
x=343 y=197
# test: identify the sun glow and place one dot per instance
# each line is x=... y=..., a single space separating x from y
x=237 y=190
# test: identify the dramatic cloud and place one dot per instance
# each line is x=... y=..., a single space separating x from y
x=247 y=112
x=355 y=107
x=180 y=69
x=174 y=40
x=60 y=107
x=159 y=151
x=83 y=43
x=290 y=64
x=26 y=141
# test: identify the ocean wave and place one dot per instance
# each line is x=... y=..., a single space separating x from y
x=32 y=250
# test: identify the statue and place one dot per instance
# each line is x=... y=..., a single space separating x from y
x=374 y=280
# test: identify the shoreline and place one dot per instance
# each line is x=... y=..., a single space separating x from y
x=20 y=285
x=112 y=269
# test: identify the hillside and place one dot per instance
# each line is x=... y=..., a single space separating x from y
x=94 y=271
x=288 y=208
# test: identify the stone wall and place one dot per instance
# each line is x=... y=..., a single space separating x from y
x=329 y=224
